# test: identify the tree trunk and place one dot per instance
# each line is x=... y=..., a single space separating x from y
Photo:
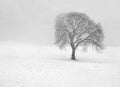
x=73 y=54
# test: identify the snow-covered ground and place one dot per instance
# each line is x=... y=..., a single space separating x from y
x=35 y=66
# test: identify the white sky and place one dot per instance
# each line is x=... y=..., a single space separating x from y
x=32 y=21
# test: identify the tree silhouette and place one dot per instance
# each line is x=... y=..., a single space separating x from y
x=77 y=29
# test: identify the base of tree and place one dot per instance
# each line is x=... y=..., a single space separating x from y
x=73 y=58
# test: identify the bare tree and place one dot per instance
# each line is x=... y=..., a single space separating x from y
x=77 y=29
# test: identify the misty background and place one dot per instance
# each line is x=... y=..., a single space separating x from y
x=32 y=21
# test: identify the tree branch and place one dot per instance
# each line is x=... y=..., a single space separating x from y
x=78 y=38
x=84 y=39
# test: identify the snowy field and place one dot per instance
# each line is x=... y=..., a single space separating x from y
x=35 y=66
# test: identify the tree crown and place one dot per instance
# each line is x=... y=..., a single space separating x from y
x=77 y=29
